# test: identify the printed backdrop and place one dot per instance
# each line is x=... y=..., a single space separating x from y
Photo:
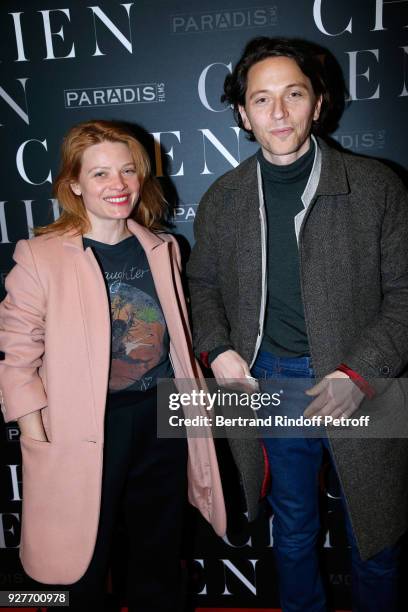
x=161 y=64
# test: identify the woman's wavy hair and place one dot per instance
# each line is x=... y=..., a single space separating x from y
x=305 y=54
x=152 y=207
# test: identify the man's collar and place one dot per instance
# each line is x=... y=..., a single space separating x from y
x=333 y=175
x=241 y=178
x=332 y=181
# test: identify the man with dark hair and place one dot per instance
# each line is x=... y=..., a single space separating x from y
x=300 y=268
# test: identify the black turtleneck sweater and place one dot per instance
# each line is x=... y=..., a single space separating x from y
x=283 y=186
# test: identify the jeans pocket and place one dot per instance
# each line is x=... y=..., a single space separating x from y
x=259 y=373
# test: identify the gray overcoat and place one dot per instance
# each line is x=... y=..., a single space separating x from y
x=353 y=253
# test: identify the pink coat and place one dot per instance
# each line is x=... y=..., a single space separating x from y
x=55 y=332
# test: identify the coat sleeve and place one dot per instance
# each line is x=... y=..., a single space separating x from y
x=381 y=350
x=210 y=324
x=22 y=319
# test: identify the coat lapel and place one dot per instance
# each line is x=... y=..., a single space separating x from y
x=249 y=252
x=169 y=291
x=96 y=321
x=333 y=176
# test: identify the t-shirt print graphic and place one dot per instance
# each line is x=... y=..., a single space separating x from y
x=138 y=328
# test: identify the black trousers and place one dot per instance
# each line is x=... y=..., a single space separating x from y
x=144 y=483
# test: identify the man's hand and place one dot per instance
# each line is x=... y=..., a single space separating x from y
x=334 y=397
x=229 y=366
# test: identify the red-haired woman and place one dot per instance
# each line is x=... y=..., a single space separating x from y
x=94 y=310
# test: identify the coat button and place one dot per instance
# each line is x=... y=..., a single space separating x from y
x=385 y=370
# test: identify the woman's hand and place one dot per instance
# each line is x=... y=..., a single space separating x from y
x=31 y=426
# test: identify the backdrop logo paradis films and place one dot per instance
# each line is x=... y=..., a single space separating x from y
x=236 y=19
x=115 y=94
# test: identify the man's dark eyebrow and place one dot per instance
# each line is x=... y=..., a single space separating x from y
x=261 y=91
x=258 y=91
x=303 y=85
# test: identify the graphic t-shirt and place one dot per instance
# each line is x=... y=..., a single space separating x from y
x=140 y=341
